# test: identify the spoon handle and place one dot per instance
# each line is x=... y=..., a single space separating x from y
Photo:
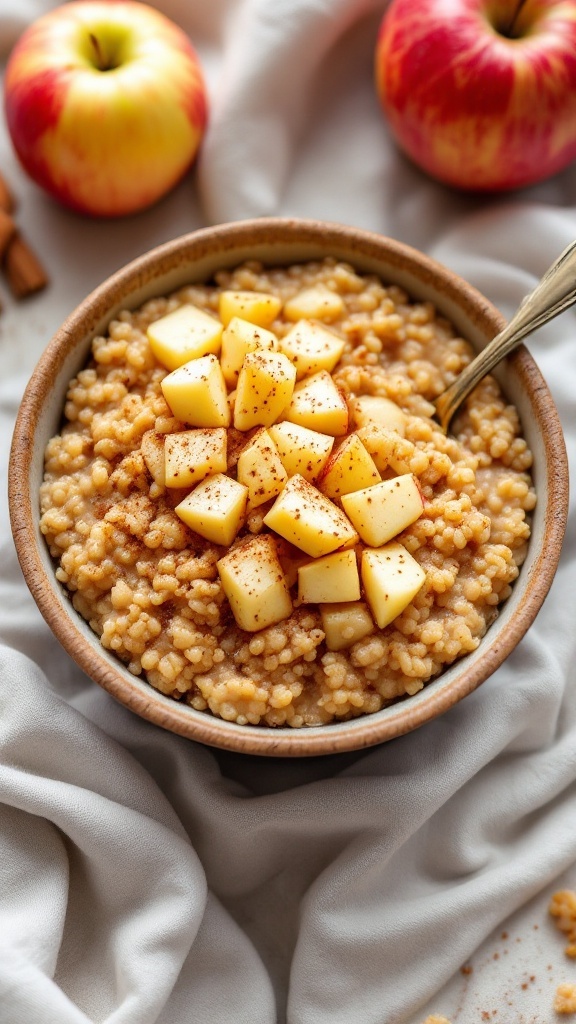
x=554 y=293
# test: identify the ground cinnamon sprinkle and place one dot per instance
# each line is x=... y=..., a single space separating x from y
x=562 y=907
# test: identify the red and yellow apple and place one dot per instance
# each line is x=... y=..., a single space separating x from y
x=105 y=104
x=481 y=94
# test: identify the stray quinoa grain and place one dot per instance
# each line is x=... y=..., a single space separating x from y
x=149 y=586
x=563 y=909
x=565 y=999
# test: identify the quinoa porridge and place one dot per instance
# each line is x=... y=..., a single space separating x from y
x=161 y=594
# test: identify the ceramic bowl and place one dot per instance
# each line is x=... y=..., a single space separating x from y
x=195 y=257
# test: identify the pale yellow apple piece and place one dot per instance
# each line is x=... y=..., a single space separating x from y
x=254 y=584
x=309 y=520
x=265 y=385
x=191 y=455
x=185 y=334
x=258 y=307
x=215 y=508
x=381 y=512
x=311 y=347
x=319 y=405
x=375 y=410
x=349 y=468
x=290 y=558
x=260 y=469
x=318 y=303
x=345 y=624
x=332 y=578
x=196 y=393
x=301 y=450
x=152 y=447
x=391 y=578
x=239 y=338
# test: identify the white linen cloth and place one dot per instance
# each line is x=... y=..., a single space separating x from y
x=145 y=879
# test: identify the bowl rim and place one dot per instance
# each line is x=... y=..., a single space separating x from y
x=366 y=730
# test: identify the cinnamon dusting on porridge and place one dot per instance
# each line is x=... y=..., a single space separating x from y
x=253 y=585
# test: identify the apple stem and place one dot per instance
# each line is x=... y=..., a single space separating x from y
x=101 y=64
x=510 y=29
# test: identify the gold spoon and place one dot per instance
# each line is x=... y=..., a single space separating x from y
x=554 y=293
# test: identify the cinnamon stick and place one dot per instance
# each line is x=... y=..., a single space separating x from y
x=7 y=202
x=24 y=272
x=7 y=230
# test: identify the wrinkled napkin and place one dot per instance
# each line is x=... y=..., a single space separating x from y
x=145 y=879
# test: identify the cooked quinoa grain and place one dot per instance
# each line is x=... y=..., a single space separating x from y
x=565 y=999
x=149 y=586
x=563 y=909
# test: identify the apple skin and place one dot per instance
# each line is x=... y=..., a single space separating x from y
x=105 y=142
x=474 y=107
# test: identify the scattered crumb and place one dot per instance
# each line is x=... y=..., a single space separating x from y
x=563 y=908
x=565 y=1001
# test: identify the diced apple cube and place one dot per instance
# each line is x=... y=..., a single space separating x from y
x=345 y=624
x=196 y=393
x=319 y=405
x=375 y=410
x=191 y=455
x=332 y=578
x=215 y=508
x=319 y=302
x=185 y=334
x=311 y=347
x=391 y=579
x=239 y=338
x=265 y=385
x=254 y=584
x=381 y=512
x=349 y=468
x=301 y=450
x=257 y=307
x=290 y=558
x=309 y=520
x=260 y=469
x=152 y=447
